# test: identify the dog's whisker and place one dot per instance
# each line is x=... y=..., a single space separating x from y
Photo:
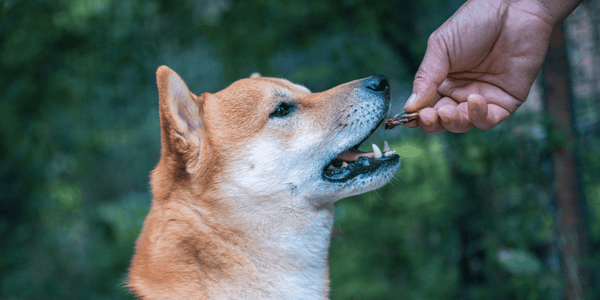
x=396 y=182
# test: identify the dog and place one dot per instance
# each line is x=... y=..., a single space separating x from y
x=244 y=189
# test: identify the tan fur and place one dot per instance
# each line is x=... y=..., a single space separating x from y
x=211 y=232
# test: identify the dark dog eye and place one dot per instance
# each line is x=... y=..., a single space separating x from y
x=281 y=110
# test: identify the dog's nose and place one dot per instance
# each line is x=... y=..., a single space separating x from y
x=377 y=83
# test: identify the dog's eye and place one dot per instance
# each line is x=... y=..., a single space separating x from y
x=281 y=110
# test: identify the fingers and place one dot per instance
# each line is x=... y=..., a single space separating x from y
x=475 y=112
x=483 y=115
x=430 y=121
x=449 y=114
x=416 y=123
x=478 y=112
x=445 y=115
x=424 y=93
x=432 y=72
x=453 y=116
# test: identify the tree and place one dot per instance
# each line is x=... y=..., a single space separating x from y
x=567 y=194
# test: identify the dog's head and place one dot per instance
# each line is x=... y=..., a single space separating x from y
x=268 y=139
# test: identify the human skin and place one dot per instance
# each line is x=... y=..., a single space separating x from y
x=481 y=63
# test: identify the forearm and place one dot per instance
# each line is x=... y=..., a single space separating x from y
x=551 y=11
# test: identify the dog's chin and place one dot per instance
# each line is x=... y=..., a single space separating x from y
x=363 y=169
x=368 y=181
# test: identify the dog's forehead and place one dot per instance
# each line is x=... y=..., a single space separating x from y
x=286 y=86
x=264 y=87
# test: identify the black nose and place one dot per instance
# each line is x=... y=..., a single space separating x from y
x=377 y=83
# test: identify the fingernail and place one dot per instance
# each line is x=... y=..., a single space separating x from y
x=442 y=111
x=411 y=100
x=474 y=103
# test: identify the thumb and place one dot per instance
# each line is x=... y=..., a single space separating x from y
x=431 y=74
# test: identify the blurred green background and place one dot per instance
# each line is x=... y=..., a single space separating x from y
x=468 y=216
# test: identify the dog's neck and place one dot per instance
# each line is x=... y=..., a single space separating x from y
x=286 y=247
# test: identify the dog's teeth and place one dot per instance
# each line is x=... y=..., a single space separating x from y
x=388 y=153
x=330 y=167
x=344 y=164
x=386 y=147
x=376 y=151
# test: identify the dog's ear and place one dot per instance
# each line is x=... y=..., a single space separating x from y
x=179 y=111
x=255 y=75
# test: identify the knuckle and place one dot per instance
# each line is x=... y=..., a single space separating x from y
x=420 y=77
x=434 y=38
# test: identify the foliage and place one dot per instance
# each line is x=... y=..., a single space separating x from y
x=469 y=216
x=466 y=216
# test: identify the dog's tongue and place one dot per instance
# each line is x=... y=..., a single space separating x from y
x=353 y=155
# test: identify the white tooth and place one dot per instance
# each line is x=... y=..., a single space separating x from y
x=386 y=147
x=389 y=153
x=330 y=167
x=344 y=164
x=376 y=151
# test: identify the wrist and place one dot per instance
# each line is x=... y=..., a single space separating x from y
x=550 y=11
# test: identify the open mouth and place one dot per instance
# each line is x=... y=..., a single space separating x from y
x=352 y=162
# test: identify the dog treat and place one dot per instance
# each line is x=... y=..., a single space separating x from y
x=399 y=119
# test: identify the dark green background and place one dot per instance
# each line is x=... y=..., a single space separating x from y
x=468 y=216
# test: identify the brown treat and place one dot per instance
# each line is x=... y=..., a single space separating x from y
x=400 y=119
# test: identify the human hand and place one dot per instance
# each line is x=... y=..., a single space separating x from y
x=480 y=64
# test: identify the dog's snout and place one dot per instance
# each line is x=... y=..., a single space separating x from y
x=377 y=83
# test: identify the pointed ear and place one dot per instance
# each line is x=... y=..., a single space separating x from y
x=179 y=110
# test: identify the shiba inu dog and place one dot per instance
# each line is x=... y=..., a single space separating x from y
x=244 y=190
